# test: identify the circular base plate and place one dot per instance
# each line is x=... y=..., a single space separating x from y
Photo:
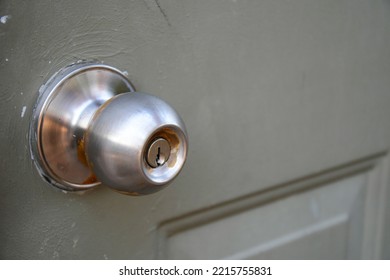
x=65 y=105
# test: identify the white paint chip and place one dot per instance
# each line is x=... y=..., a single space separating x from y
x=75 y=241
x=125 y=73
x=4 y=19
x=6 y=59
x=23 y=111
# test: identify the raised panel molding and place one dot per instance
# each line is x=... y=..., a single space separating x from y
x=335 y=214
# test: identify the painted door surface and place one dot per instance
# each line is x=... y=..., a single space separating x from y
x=287 y=106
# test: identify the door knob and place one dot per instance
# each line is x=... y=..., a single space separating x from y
x=90 y=127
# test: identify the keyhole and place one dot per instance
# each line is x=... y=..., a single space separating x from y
x=158 y=153
x=158 y=157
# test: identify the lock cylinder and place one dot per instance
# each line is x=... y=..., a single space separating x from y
x=158 y=152
x=90 y=127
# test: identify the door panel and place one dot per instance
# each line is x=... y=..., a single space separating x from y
x=272 y=93
x=331 y=211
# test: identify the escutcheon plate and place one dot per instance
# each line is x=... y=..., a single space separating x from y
x=65 y=106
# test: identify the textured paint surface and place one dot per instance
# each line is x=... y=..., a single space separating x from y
x=269 y=90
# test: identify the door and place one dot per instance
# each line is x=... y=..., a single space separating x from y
x=287 y=107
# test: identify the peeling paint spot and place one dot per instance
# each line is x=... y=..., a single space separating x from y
x=49 y=61
x=4 y=19
x=105 y=257
x=125 y=73
x=73 y=225
x=21 y=93
x=6 y=59
x=75 y=241
x=23 y=111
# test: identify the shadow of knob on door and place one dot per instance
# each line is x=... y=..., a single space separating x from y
x=90 y=127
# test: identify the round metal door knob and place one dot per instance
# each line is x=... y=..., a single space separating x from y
x=90 y=127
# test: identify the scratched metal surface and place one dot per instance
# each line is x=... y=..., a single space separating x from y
x=270 y=91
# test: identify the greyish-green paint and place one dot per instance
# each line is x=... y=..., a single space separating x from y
x=270 y=91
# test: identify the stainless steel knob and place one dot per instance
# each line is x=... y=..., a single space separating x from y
x=90 y=127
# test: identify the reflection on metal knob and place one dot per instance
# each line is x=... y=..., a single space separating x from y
x=90 y=127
